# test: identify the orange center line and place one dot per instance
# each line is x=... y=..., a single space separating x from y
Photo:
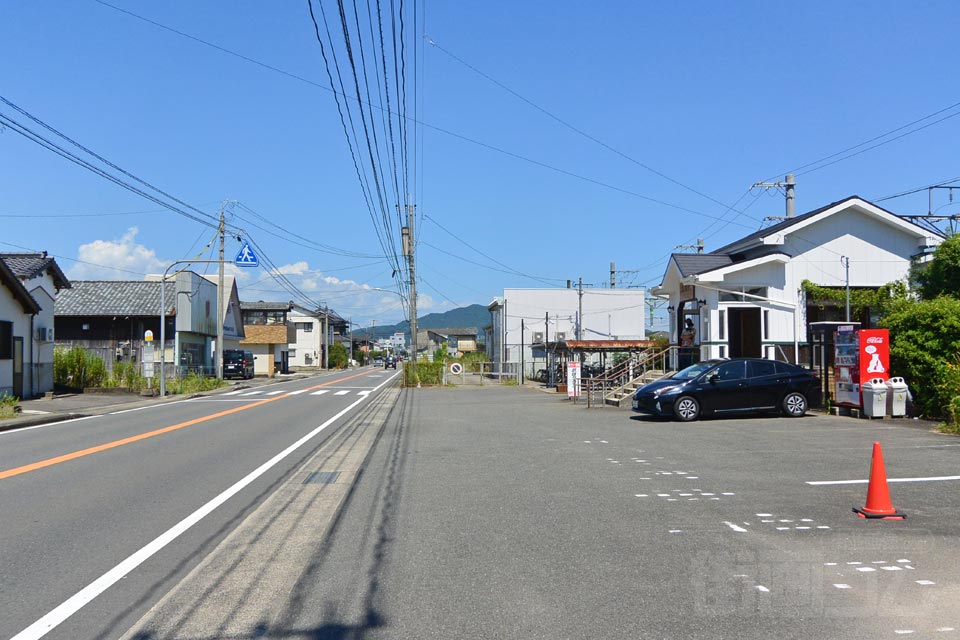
x=49 y=462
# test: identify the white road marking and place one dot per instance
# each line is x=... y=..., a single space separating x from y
x=728 y=494
x=842 y=586
x=854 y=563
x=736 y=528
x=762 y=588
x=321 y=392
x=903 y=561
x=802 y=528
x=830 y=564
x=902 y=632
x=275 y=393
x=783 y=528
x=676 y=530
x=892 y=567
x=764 y=515
x=878 y=562
x=342 y=393
x=866 y=569
x=71 y=605
x=364 y=393
x=822 y=526
x=640 y=495
x=945 y=629
x=251 y=393
x=925 y=583
x=297 y=392
x=34 y=412
x=821 y=483
x=232 y=393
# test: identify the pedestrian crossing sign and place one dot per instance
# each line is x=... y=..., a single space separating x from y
x=246 y=257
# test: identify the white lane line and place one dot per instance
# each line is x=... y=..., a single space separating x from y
x=762 y=588
x=251 y=393
x=842 y=586
x=925 y=583
x=276 y=393
x=321 y=392
x=820 y=483
x=232 y=393
x=71 y=605
x=363 y=393
x=342 y=393
x=297 y=392
x=736 y=528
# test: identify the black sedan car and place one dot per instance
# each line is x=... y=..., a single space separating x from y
x=724 y=387
x=390 y=362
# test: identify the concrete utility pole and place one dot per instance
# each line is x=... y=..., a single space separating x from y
x=580 y=309
x=218 y=352
x=613 y=275
x=845 y=261
x=409 y=249
x=788 y=184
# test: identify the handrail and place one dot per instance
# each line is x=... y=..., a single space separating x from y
x=627 y=372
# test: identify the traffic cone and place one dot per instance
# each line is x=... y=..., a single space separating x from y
x=878 y=495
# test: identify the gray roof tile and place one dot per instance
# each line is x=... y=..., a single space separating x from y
x=113 y=298
x=30 y=265
x=694 y=263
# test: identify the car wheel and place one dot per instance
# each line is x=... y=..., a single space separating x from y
x=794 y=404
x=686 y=408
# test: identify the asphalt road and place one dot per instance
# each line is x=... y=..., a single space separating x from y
x=505 y=513
x=78 y=498
x=501 y=513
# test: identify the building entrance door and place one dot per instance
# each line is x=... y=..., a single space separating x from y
x=744 y=331
x=18 y=368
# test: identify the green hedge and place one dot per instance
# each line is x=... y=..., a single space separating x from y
x=424 y=373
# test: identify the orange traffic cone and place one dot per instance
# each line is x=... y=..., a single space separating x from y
x=878 y=495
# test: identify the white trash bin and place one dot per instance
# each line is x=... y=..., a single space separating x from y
x=896 y=397
x=874 y=398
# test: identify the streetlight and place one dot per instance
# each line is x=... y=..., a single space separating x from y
x=163 y=321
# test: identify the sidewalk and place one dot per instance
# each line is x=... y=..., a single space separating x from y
x=79 y=405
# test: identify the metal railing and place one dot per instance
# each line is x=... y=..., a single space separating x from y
x=639 y=367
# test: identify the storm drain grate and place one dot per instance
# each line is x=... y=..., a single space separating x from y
x=322 y=477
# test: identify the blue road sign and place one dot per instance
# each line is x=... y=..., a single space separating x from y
x=246 y=257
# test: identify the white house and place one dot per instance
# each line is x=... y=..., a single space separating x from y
x=27 y=322
x=746 y=299
x=522 y=318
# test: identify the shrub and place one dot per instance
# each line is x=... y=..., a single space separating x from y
x=78 y=369
x=924 y=342
x=423 y=372
x=195 y=384
x=337 y=357
x=8 y=405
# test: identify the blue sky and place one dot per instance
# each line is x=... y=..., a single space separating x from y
x=714 y=96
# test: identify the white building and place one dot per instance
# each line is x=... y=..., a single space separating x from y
x=29 y=283
x=746 y=299
x=398 y=342
x=524 y=317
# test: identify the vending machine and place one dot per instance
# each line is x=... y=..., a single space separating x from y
x=860 y=355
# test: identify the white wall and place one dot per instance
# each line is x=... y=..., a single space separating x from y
x=607 y=314
x=11 y=311
x=307 y=342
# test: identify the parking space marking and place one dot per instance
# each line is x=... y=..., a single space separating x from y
x=821 y=483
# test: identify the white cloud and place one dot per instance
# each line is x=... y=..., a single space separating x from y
x=119 y=259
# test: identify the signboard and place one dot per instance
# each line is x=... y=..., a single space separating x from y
x=874 y=354
x=148 y=359
x=148 y=336
x=573 y=379
x=456 y=368
x=246 y=257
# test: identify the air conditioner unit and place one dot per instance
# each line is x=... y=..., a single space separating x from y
x=538 y=336
x=45 y=334
x=561 y=336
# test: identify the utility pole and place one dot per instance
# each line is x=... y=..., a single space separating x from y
x=580 y=309
x=613 y=275
x=546 y=351
x=351 y=338
x=326 y=335
x=409 y=249
x=522 y=374
x=788 y=184
x=218 y=352
x=845 y=261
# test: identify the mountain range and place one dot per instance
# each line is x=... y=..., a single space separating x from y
x=475 y=315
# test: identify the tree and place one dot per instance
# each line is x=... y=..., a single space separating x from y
x=941 y=276
x=924 y=339
x=337 y=358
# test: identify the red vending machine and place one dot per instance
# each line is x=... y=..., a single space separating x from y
x=860 y=355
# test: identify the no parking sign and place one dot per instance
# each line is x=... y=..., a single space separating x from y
x=456 y=368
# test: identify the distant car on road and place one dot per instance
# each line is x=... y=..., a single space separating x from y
x=724 y=387
x=237 y=363
x=390 y=363
x=378 y=361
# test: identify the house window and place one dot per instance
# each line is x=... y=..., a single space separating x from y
x=722 y=326
x=6 y=340
x=723 y=351
x=307 y=327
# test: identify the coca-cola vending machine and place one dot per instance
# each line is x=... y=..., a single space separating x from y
x=860 y=355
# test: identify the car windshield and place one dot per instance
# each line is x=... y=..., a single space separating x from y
x=692 y=371
x=233 y=357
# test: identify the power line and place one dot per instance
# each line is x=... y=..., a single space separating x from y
x=416 y=121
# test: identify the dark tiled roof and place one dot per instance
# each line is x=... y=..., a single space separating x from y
x=265 y=306
x=693 y=263
x=333 y=316
x=452 y=331
x=113 y=298
x=30 y=265
x=12 y=282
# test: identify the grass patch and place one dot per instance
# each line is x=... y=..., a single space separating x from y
x=195 y=384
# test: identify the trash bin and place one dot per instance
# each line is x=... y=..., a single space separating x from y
x=874 y=398
x=896 y=397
